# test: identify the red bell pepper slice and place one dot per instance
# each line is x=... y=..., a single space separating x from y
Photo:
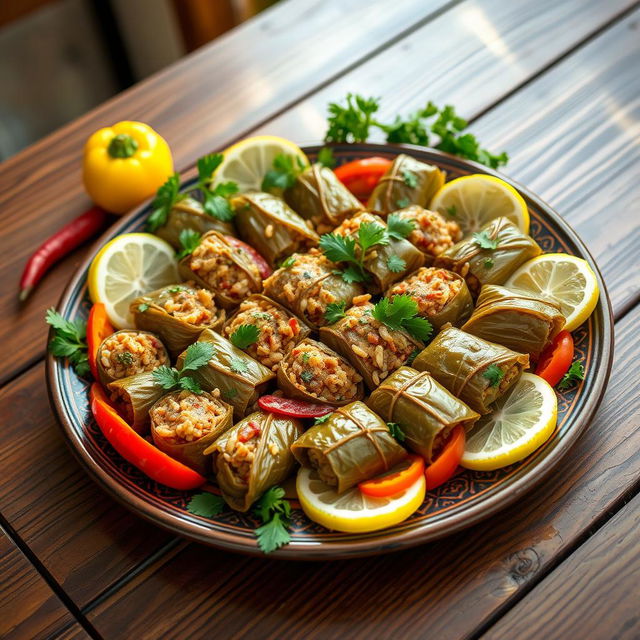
x=397 y=479
x=556 y=359
x=98 y=328
x=361 y=176
x=263 y=266
x=293 y=408
x=446 y=464
x=138 y=451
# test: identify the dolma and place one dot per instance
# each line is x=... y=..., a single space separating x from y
x=133 y=397
x=432 y=233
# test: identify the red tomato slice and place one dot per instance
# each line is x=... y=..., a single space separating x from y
x=263 y=266
x=361 y=176
x=397 y=479
x=556 y=359
x=445 y=465
x=98 y=328
x=138 y=451
x=293 y=408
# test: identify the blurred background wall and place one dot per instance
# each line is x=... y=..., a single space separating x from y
x=59 y=58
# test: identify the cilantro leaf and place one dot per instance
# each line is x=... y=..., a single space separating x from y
x=493 y=374
x=399 y=228
x=69 y=341
x=230 y=393
x=573 y=376
x=338 y=248
x=410 y=179
x=275 y=512
x=206 y=505
x=351 y=122
x=207 y=165
x=217 y=206
x=396 y=431
x=238 y=365
x=485 y=241
x=166 y=196
x=245 y=335
x=143 y=307
x=353 y=273
x=166 y=377
x=401 y=203
x=334 y=311
x=288 y=262
x=370 y=234
x=325 y=158
x=419 y=328
x=189 y=240
x=306 y=376
x=396 y=264
x=189 y=384
x=197 y=355
x=283 y=174
x=322 y=419
x=400 y=314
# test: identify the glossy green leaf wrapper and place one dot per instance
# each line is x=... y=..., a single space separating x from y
x=424 y=409
x=351 y=446
x=519 y=321
x=189 y=214
x=490 y=266
x=238 y=258
x=177 y=334
x=104 y=377
x=319 y=196
x=268 y=224
x=407 y=181
x=240 y=378
x=459 y=362
x=308 y=286
x=192 y=453
x=134 y=396
x=272 y=463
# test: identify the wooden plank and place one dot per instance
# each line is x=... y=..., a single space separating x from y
x=84 y=539
x=593 y=594
x=197 y=104
x=29 y=609
x=452 y=587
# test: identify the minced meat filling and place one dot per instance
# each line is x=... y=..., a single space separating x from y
x=322 y=466
x=211 y=260
x=430 y=287
x=278 y=331
x=190 y=304
x=382 y=349
x=239 y=451
x=186 y=416
x=126 y=353
x=324 y=375
x=433 y=234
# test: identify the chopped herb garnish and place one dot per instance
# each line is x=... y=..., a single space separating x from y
x=322 y=419
x=245 y=335
x=189 y=240
x=396 y=264
x=401 y=314
x=452 y=211
x=275 y=513
x=142 y=307
x=325 y=158
x=261 y=315
x=306 y=376
x=197 y=355
x=69 y=341
x=206 y=505
x=410 y=179
x=485 y=241
x=334 y=311
x=238 y=365
x=396 y=431
x=493 y=374
x=398 y=228
x=288 y=262
x=125 y=358
x=305 y=357
x=176 y=289
x=283 y=173
x=573 y=376
x=401 y=203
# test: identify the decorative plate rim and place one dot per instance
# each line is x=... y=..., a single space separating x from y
x=357 y=545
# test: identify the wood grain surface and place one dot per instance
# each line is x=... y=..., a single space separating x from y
x=28 y=607
x=594 y=594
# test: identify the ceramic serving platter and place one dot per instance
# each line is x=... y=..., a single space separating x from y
x=463 y=501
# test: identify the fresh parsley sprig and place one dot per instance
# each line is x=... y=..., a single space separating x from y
x=352 y=120
x=485 y=241
x=325 y=158
x=399 y=228
x=334 y=311
x=196 y=356
x=245 y=335
x=494 y=374
x=396 y=431
x=189 y=239
x=215 y=201
x=275 y=513
x=205 y=504
x=401 y=314
x=283 y=173
x=572 y=377
x=69 y=341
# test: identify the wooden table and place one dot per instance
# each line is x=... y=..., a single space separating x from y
x=554 y=83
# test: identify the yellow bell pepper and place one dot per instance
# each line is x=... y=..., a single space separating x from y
x=124 y=165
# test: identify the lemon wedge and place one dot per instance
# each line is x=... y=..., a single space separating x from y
x=126 y=267
x=473 y=201
x=522 y=420
x=568 y=280
x=247 y=161
x=352 y=511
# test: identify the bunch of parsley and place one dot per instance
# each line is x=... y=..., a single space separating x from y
x=69 y=341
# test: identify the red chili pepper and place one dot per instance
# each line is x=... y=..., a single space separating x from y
x=263 y=267
x=59 y=245
x=138 y=451
x=293 y=323
x=293 y=408
x=249 y=431
x=98 y=328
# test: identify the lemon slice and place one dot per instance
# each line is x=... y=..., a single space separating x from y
x=522 y=420
x=247 y=161
x=126 y=267
x=473 y=201
x=352 y=511
x=568 y=280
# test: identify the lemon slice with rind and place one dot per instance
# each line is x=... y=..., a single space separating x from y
x=473 y=201
x=126 y=267
x=522 y=420
x=247 y=161
x=568 y=280
x=352 y=511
